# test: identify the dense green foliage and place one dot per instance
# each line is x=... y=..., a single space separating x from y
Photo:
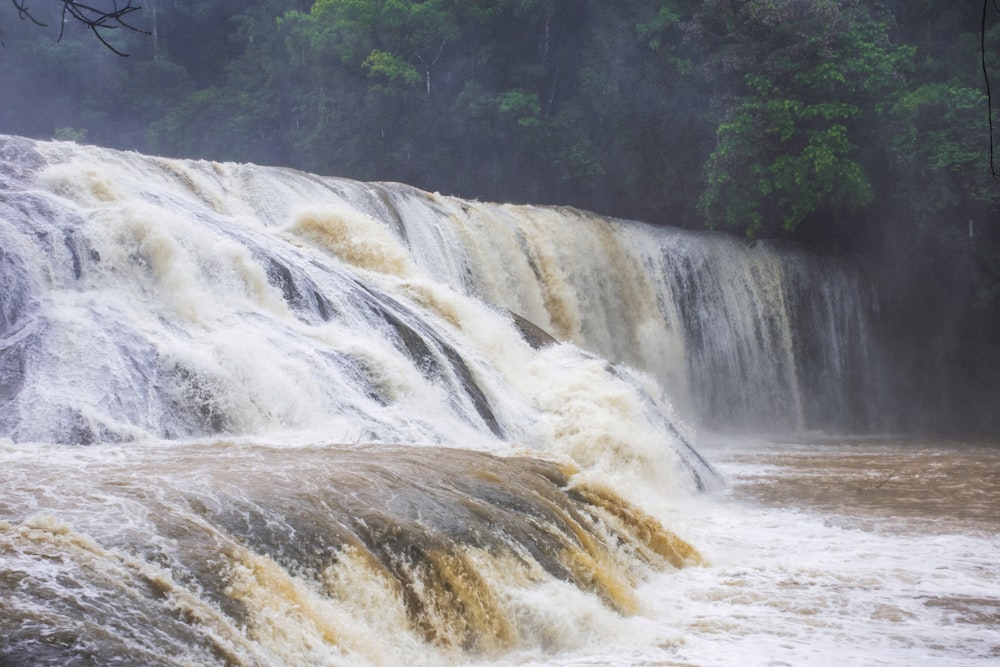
x=855 y=126
x=763 y=116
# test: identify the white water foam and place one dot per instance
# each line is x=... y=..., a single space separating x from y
x=242 y=307
x=793 y=586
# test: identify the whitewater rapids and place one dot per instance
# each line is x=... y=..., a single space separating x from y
x=251 y=416
x=303 y=446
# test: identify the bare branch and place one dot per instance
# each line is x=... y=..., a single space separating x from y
x=94 y=18
x=986 y=78
x=23 y=13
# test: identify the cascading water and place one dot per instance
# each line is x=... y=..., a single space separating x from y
x=222 y=334
x=762 y=339
x=330 y=426
x=740 y=338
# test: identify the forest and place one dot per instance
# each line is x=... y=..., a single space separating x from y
x=859 y=128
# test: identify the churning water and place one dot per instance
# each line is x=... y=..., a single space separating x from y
x=337 y=423
x=856 y=553
x=859 y=553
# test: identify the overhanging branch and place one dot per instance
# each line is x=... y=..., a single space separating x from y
x=97 y=19
x=986 y=78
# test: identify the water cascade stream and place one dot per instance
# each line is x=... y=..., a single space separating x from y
x=333 y=422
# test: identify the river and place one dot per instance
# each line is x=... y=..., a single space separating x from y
x=251 y=416
x=825 y=552
x=817 y=553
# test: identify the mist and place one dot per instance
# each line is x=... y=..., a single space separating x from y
x=354 y=333
x=755 y=121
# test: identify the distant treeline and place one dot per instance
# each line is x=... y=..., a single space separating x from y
x=857 y=127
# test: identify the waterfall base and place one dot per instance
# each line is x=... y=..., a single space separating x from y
x=245 y=554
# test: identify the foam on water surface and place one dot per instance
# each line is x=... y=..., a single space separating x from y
x=220 y=334
x=800 y=574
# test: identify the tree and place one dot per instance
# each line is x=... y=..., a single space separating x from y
x=805 y=88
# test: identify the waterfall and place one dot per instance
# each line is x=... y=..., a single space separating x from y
x=299 y=390
x=742 y=338
x=768 y=338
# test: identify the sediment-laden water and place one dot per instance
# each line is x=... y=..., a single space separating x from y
x=252 y=416
x=828 y=553
x=238 y=553
x=859 y=553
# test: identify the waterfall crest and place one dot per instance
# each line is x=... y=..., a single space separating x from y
x=328 y=412
x=739 y=337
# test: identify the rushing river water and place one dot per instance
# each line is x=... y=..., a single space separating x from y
x=828 y=553
x=252 y=416
x=857 y=553
x=832 y=553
